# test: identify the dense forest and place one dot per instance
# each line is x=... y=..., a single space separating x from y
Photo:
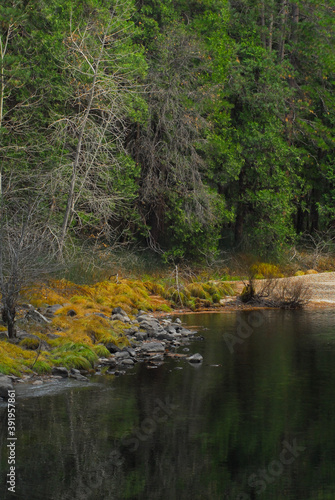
x=183 y=126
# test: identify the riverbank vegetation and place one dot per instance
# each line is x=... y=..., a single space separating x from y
x=64 y=324
x=186 y=131
x=60 y=323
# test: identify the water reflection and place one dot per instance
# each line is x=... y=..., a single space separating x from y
x=255 y=423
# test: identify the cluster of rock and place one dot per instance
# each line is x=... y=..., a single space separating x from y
x=150 y=341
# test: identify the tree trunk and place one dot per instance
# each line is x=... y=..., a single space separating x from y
x=3 y=50
x=299 y=220
x=8 y=317
x=263 y=37
x=295 y=13
x=284 y=7
x=314 y=214
x=271 y=33
x=239 y=222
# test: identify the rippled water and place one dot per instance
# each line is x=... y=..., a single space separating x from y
x=255 y=420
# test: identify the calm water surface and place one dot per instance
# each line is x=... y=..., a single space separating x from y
x=255 y=420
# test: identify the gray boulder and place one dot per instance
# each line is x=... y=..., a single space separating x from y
x=169 y=328
x=153 y=347
x=141 y=336
x=60 y=371
x=195 y=358
x=152 y=327
x=131 y=351
x=6 y=385
x=34 y=315
x=165 y=336
x=111 y=362
x=122 y=355
x=144 y=317
x=131 y=330
x=112 y=347
x=120 y=317
x=157 y=357
x=119 y=310
x=128 y=362
x=185 y=332
x=77 y=375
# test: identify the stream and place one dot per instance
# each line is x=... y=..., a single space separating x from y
x=255 y=420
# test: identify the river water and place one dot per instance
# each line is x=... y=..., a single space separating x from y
x=255 y=420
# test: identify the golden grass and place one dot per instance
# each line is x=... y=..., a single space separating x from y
x=82 y=337
x=16 y=360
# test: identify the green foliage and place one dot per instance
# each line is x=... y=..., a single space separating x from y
x=74 y=355
x=194 y=225
x=42 y=367
x=101 y=351
x=205 y=118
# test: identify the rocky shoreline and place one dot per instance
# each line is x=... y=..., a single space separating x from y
x=151 y=340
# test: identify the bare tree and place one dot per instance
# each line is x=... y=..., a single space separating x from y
x=27 y=247
x=103 y=87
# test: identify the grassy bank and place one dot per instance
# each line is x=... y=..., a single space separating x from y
x=80 y=326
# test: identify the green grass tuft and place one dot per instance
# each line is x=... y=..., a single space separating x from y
x=72 y=355
x=101 y=351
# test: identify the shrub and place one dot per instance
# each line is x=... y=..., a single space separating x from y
x=285 y=294
x=30 y=343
